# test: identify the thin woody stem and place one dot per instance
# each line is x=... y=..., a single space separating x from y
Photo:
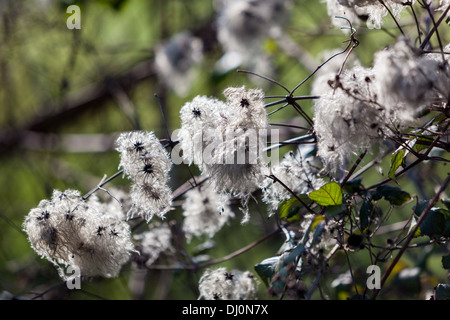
x=355 y=165
x=422 y=216
x=393 y=17
x=433 y=30
x=101 y=184
x=293 y=193
x=219 y=260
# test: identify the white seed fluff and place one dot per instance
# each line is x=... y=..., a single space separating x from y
x=297 y=172
x=348 y=118
x=175 y=61
x=147 y=164
x=218 y=284
x=68 y=231
x=205 y=212
x=156 y=240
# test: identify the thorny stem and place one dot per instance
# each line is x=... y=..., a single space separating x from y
x=422 y=216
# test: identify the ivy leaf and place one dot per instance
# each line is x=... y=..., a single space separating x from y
x=329 y=194
x=396 y=162
x=394 y=195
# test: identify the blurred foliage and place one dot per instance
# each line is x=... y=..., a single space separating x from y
x=43 y=65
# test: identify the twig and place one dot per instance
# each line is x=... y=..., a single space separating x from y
x=219 y=260
x=412 y=233
x=293 y=193
x=393 y=17
x=353 y=168
x=435 y=26
x=101 y=184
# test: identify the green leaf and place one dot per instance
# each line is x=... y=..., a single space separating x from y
x=396 y=162
x=267 y=268
x=332 y=211
x=421 y=144
x=394 y=195
x=447 y=228
x=446 y=261
x=329 y=194
x=442 y=292
x=290 y=256
x=446 y=202
x=437 y=222
x=317 y=219
x=421 y=205
x=434 y=224
x=288 y=209
x=354 y=186
x=418 y=233
x=318 y=230
x=364 y=213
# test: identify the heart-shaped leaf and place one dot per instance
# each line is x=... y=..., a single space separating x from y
x=329 y=194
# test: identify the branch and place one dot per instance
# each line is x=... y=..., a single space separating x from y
x=216 y=261
x=422 y=216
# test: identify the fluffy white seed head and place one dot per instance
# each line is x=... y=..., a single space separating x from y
x=297 y=172
x=373 y=10
x=156 y=240
x=330 y=69
x=226 y=140
x=175 y=61
x=67 y=230
x=218 y=284
x=150 y=199
x=205 y=212
x=199 y=119
x=142 y=156
x=147 y=164
x=246 y=108
x=243 y=24
x=348 y=117
x=406 y=77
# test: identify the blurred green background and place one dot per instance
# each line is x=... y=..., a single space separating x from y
x=65 y=94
